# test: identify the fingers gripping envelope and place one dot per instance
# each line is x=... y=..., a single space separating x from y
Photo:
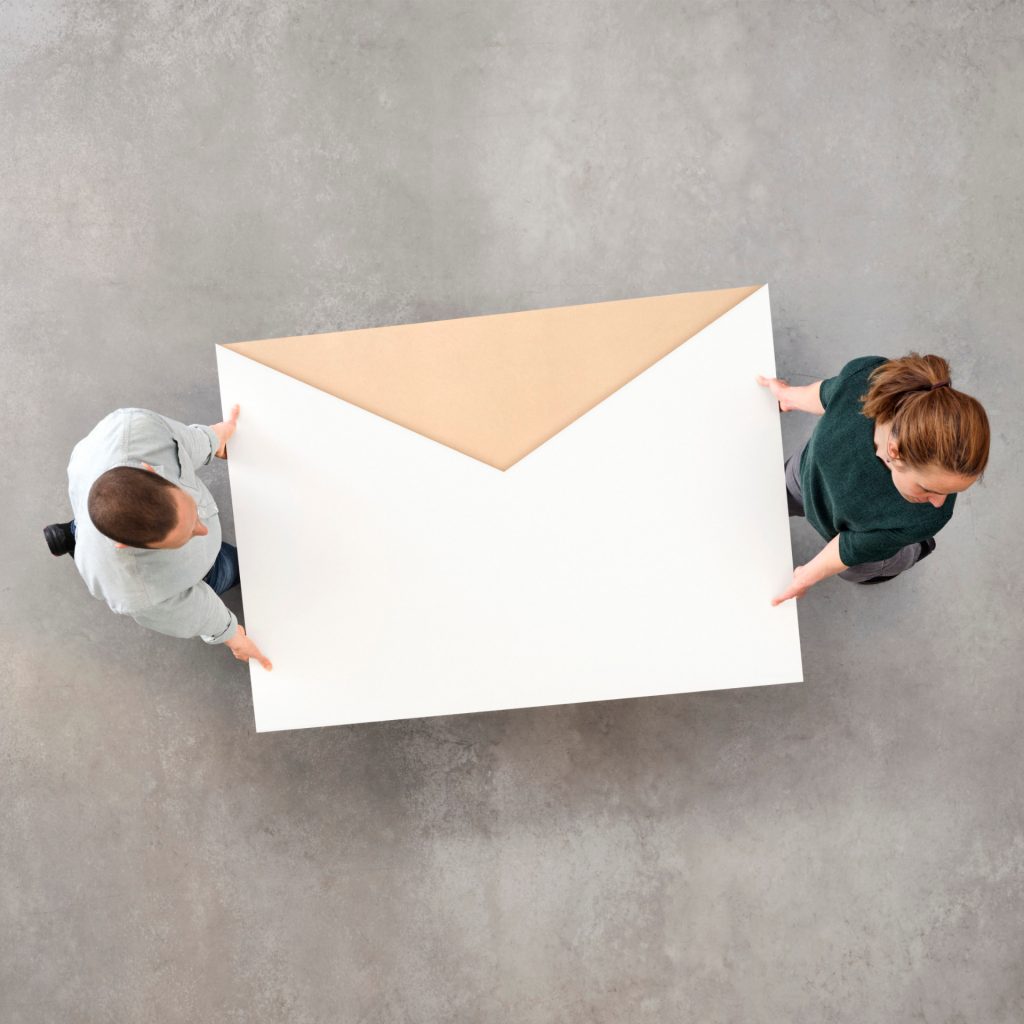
x=533 y=508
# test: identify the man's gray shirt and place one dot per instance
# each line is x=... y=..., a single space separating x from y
x=161 y=588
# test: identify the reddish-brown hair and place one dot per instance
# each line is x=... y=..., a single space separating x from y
x=933 y=424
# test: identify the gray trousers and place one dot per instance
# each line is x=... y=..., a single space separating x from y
x=900 y=562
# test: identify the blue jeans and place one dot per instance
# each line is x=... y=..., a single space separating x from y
x=223 y=574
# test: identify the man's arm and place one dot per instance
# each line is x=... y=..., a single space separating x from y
x=198 y=611
x=824 y=564
x=224 y=430
x=200 y=443
x=195 y=442
x=794 y=399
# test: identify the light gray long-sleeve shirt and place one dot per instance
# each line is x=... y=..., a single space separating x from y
x=161 y=588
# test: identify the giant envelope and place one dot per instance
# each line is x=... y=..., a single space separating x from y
x=532 y=508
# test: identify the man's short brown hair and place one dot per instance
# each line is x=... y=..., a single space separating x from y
x=133 y=506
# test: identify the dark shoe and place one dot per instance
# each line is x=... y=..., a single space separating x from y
x=877 y=579
x=60 y=539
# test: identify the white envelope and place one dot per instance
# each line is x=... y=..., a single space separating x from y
x=534 y=508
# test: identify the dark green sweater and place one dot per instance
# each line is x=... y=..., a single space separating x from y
x=847 y=489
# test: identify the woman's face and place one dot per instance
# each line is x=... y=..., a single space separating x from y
x=917 y=484
x=930 y=484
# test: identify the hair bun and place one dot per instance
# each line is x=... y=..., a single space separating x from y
x=952 y=433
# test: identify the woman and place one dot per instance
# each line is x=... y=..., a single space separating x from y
x=879 y=477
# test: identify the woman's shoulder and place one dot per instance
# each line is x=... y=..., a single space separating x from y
x=854 y=372
x=862 y=364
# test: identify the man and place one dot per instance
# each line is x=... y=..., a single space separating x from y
x=145 y=534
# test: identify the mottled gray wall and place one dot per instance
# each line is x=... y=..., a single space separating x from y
x=174 y=175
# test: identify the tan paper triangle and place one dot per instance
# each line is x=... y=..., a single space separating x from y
x=496 y=387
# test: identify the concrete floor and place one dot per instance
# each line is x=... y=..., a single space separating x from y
x=180 y=174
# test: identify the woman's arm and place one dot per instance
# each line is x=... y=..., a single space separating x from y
x=802 y=399
x=824 y=564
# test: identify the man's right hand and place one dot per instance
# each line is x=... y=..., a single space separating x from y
x=243 y=648
x=224 y=431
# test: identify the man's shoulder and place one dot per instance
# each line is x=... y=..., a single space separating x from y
x=130 y=580
x=120 y=423
x=123 y=436
x=110 y=574
x=137 y=421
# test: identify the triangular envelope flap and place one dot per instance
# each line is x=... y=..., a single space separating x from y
x=495 y=387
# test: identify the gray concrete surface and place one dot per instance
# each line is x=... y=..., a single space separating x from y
x=850 y=850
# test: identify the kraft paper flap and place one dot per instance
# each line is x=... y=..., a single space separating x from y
x=496 y=387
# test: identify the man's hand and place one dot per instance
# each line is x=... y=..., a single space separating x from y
x=242 y=646
x=801 y=583
x=224 y=431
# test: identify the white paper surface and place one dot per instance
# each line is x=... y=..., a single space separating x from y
x=635 y=553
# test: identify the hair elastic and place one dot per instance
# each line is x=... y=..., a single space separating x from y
x=940 y=384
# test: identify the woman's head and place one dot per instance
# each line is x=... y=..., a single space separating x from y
x=938 y=440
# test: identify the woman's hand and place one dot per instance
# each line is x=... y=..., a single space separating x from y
x=780 y=391
x=805 y=398
x=824 y=564
x=801 y=583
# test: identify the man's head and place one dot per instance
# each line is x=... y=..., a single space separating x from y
x=138 y=508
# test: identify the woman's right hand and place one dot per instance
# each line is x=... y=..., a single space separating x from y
x=243 y=648
x=780 y=391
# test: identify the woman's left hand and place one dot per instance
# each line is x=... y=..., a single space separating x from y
x=799 y=586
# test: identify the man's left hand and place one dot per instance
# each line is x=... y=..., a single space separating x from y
x=224 y=431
